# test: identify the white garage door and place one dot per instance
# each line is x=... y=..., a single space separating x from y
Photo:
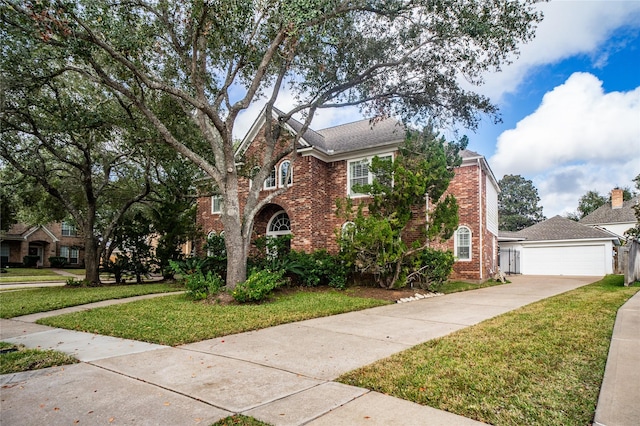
x=569 y=260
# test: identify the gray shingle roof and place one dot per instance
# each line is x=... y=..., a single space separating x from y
x=560 y=228
x=607 y=215
x=361 y=134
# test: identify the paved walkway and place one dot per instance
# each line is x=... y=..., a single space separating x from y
x=281 y=375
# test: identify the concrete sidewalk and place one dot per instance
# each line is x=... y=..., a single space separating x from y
x=281 y=375
x=618 y=404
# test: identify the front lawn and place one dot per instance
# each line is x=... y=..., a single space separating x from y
x=175 y=320
x=30 y=275
x=29 y=301
x=541 y=364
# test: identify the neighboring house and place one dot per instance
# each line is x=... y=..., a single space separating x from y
x=44 y=241
x=558 y=246
x=330 y=162
x=617 y=216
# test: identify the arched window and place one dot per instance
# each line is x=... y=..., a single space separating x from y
x=348 y=231
x=286 y=173
x=279 y=225
x=463 y=243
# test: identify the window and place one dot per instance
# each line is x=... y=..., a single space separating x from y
x=359 y=174
x=348 y=231
x=216 y=204
x=68 y=230
x=70 y=253
x=73 y=256
x=285 y=174
x=463 y=243
x=270 y=181
x=4 y=253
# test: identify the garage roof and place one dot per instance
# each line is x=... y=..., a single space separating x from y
x=558 y=228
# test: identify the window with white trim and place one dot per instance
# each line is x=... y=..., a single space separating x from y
x=68 y=230
x=270 y=181
x=285 y=174
x=216 y=204
x=348 y=231
x=71 y=254
x=359 y=174
x=462 y=243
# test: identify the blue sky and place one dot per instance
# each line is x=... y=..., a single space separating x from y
x=570 y=104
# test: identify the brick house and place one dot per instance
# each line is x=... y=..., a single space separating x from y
x=330 y=161
x=44 y=241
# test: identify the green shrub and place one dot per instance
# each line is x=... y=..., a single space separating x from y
x=30 y=261
x=57 y=261
x=431 y=268
x=258 y=286
x=200 y=286
x=318 y=268
x=72 y=282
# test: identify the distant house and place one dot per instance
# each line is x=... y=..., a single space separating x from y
x=558 y=246
x=43 y=242
x=617 y=216
x=330 y=162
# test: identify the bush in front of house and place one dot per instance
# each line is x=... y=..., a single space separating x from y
x=318 y=268
x=430 y=268
x=199 y=281
x=30 y=261
x=258 y=286
x=57 y=261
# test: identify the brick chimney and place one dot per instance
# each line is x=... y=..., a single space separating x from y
x=617 y=198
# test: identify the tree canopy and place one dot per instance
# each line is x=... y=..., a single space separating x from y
x=215 y=59
x=518 y=203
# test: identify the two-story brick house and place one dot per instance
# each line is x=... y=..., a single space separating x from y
x=44 y=241
x=327 y=165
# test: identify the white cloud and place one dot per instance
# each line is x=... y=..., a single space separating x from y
x=580 y=138
x=569 y=28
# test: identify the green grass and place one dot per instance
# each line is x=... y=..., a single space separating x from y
x=239 y=420
x=17 y=358
x=541 y=364
x=175 y=320
x=29 y=301
x=30 y=275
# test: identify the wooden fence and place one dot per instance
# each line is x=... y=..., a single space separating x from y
x=630 y=254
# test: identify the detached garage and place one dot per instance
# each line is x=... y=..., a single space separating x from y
x=558 y=246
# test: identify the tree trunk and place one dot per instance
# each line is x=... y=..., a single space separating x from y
x=236 y=256
x=92 y=260
x=234 y=239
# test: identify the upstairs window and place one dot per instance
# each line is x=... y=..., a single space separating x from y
x=463 y=243
x=68 y=230
x=286 y=173
x=216 y=204
x=270 y=181
x=359 y=173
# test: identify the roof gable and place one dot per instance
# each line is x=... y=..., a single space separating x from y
x=560 y=228
x=351 y=137
x=605 y=214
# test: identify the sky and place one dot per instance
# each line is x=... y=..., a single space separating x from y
x=569 y=104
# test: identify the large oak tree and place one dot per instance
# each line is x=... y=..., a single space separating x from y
x=216 y=58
